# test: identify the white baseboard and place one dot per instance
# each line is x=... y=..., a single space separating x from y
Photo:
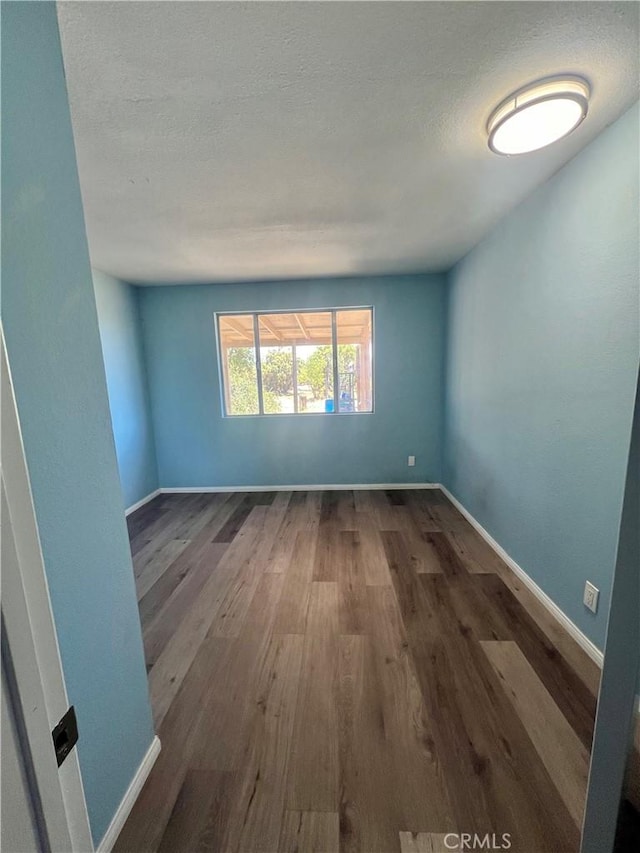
x=142 y=502
x=313 y=487
x=583 y=641
x=133 y=792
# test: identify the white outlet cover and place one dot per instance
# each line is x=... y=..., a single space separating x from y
x=591 y=595
x=412 y=461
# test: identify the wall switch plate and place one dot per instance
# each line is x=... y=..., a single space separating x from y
x=411 y=462
x=591 y=594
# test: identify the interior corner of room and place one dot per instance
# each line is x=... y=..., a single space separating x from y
x=322 y=468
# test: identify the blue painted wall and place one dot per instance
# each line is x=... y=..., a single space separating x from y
x=51 y=330
x=119 y=322
x=543 y=350
x=196 y=446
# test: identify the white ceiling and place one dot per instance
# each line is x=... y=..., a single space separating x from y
x=235 y=141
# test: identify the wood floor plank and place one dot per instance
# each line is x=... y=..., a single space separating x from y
x=200 y=795
x=152 y=562
x=173 y=500
x=323 y=611
x=585 y=667
x=498 y=782
x=476 y=554
x=395 y=497
x=140 y=519
x=202 y=528
x=201 y=513
x=487 y=609
x=306 y=517
x=307 y=503
x=329 y=508
x=363 y=803
x=256 y=815
x=215 y=597
x=186 y=520
x=412 y=764
x=433 y=496
x=352 y=588
x=171 y=667
x=245 y=556
x=313 y=768
x=395 y=516
x=161 y=629
x=261 y=498
x=162 y=524
x=279 y=548
x=281 y=500
x=234 y=699
x=362 y=500
x=299 y=498
x=473 y=599
x=292 y=612
x=449 y=518
x=381 y=768
x=449 y=562
x=560 y=749
x=310 y=832
x=157 y=596
x=421 y=549
x=220 y=514
x=374 y=560
x=569 y=692
x=357 y=712
x=347 y=512
x=229 y=531
x=274 y=521
x=424 y=555
x=325 y=566
x=419 y=503
x=180 y=735
x=212 y=830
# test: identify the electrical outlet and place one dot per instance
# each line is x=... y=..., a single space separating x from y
x=591 y=594
x=411 y=462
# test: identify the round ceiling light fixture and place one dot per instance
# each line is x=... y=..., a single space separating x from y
x=538 y=114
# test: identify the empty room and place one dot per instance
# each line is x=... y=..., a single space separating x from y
x=320 y=427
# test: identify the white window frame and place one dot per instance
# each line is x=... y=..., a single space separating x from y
x=256 y=340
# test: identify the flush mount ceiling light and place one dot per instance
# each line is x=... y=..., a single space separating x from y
x=537 y=115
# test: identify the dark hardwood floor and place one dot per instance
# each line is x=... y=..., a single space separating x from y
x=350 y=671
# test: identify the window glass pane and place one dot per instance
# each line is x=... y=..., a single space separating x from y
x=314 y=351
x=239 y=373
x=276 y=359
x=296 y=358
x=353 y=327
x=296 y=365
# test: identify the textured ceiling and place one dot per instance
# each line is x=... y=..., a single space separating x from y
x=234 y=141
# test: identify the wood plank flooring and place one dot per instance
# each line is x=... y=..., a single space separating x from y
x=350 y=671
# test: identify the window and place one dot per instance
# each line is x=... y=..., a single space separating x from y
x=297 y=362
